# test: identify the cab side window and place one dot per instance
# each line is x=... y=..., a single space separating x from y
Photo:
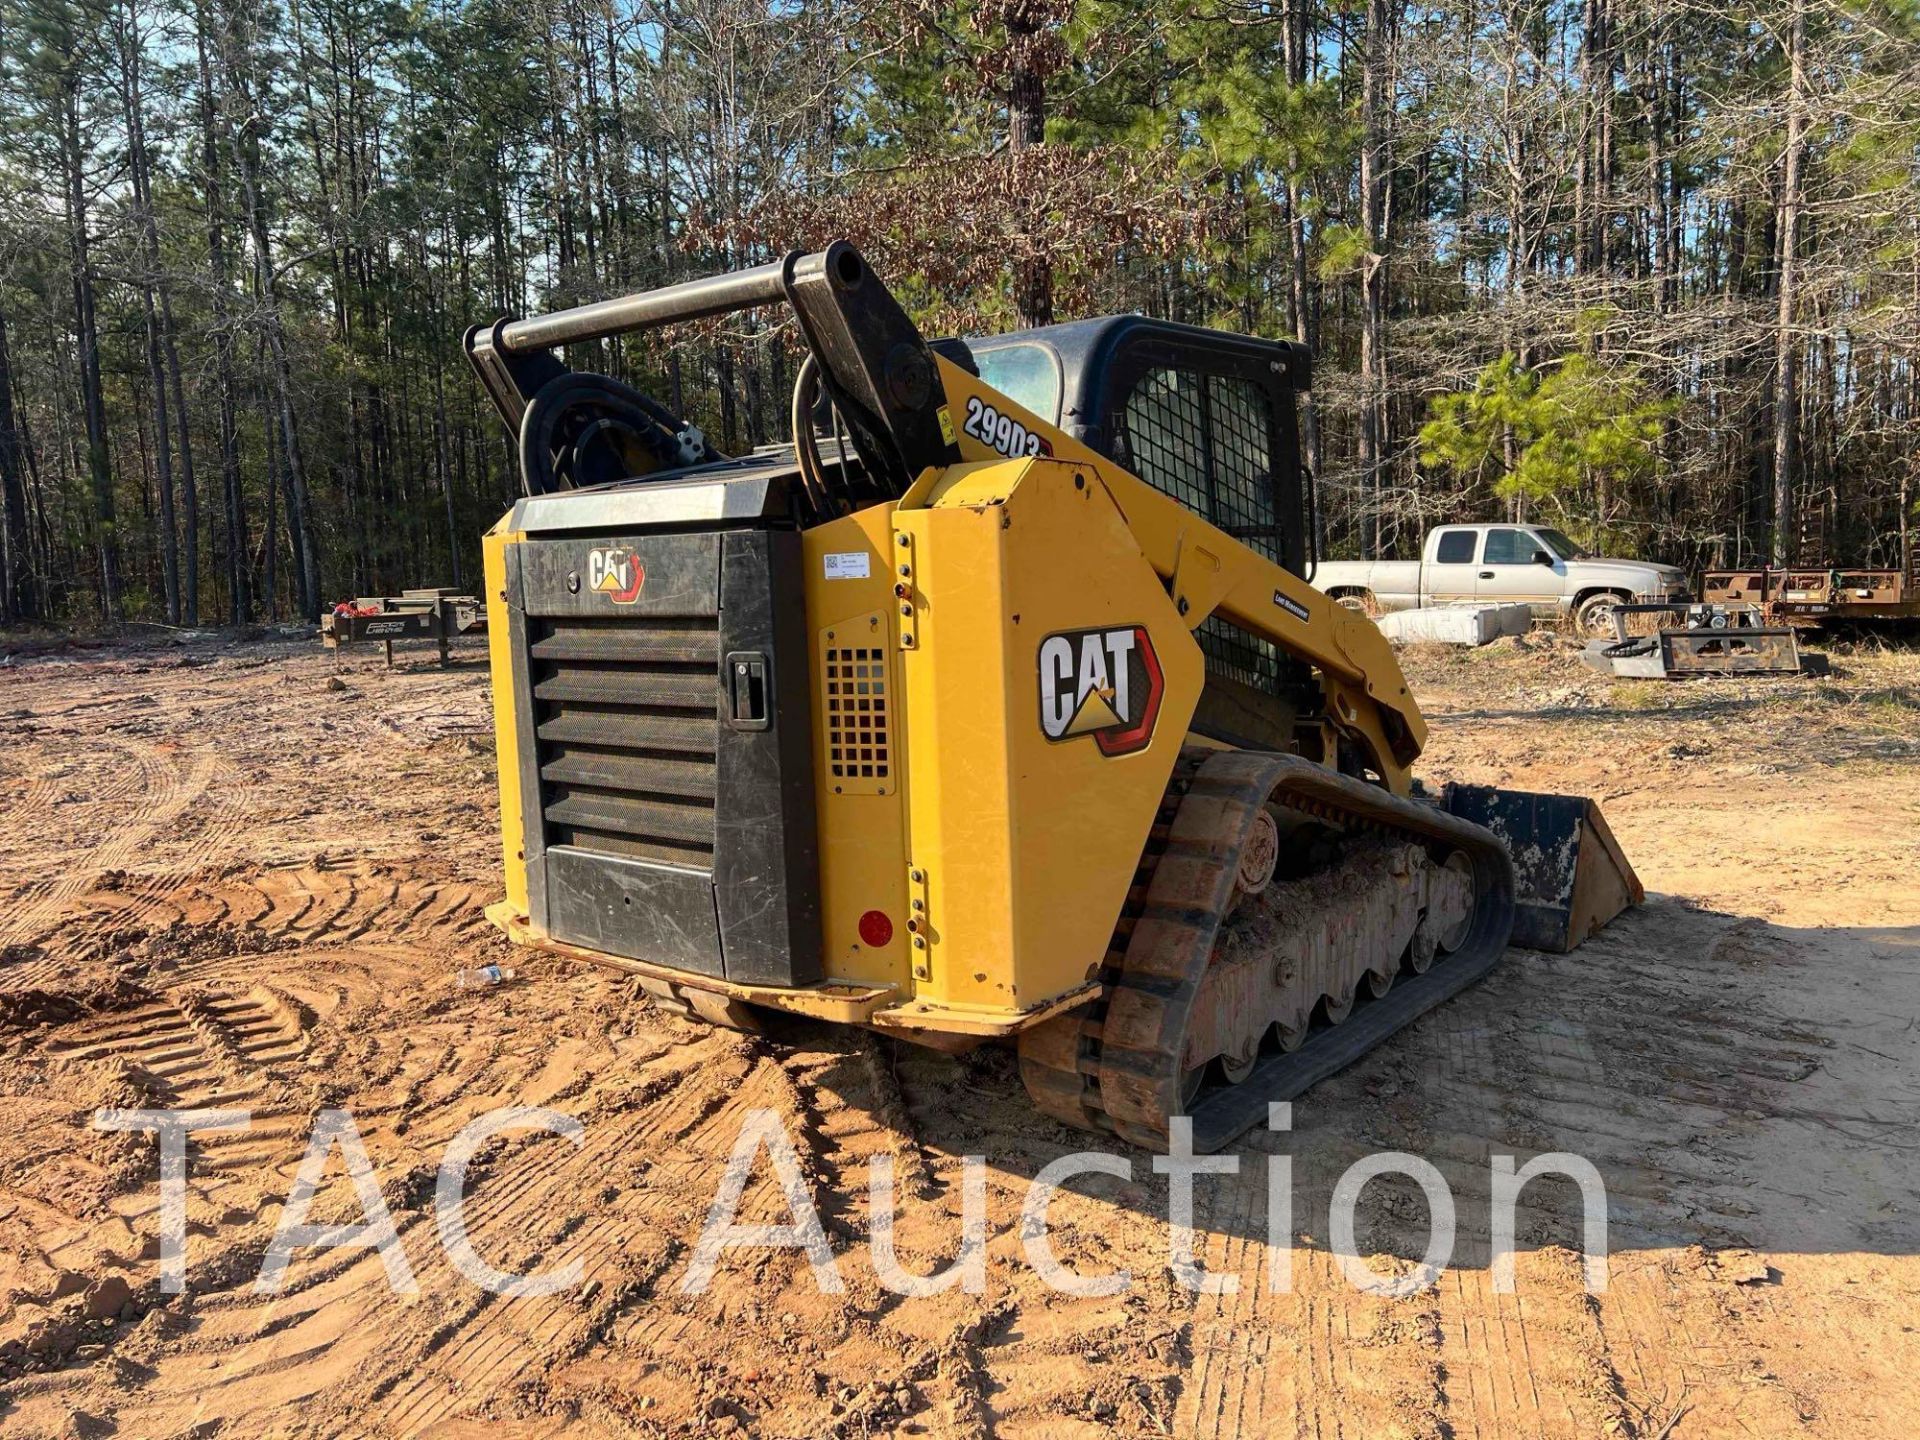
x=1206 y=440
x=1509 y=547
x=1456 y=547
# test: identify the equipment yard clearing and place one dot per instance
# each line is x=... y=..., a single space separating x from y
x=243 y=876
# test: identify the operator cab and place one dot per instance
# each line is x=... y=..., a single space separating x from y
x=1204 y=416
x=1210 y=419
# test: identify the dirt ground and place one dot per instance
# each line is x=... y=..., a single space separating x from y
x=242 y=876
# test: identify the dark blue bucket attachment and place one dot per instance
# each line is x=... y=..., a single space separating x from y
x=1570 y=876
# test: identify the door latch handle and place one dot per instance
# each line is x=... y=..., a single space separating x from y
x=1486 y=574
x=749 y=696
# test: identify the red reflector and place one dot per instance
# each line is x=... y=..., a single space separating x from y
x=875 y=929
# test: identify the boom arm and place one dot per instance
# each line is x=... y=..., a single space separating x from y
x=1207 y=571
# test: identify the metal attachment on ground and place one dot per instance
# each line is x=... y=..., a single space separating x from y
x=1706 y=640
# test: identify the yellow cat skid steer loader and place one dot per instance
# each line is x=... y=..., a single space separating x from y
x=999 y=711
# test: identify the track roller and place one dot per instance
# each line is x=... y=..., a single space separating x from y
x=1294 y=920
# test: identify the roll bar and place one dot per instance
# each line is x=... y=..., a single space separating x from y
x=872 y=360
x=690 y=300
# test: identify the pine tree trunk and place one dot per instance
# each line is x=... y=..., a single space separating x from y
x=86 y=330
x=237 y=51
x=1299 y=300
x=189 y=489
x=138 y=165
x=1026 y=130
x=1375 y=161
x=1596 y=149
x=17 y=599
x=306 y=563
x=269 y=541
x=238 y=547
x=1786 y=398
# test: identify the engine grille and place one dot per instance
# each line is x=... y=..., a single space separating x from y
x=627 y=729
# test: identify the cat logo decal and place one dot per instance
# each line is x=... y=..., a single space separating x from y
x=1104 y=683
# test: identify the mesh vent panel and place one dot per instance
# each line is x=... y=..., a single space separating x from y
x=625 y=722
x=859 y=747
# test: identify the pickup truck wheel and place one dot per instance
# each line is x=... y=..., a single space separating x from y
x=1594 y=615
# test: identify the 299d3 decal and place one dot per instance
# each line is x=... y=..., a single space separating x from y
x=1002 y=432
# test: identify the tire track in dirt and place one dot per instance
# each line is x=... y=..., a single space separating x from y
x=627 y=1237
x=1551 y=1359
x=341 y=903
x=1463 y=1084
x=32 y=806
x=1037 y=1361
x=1320 y=1359
x=208 y=797
x=194 y=1048
x=43 y=893
x=213 y=1049
x=1229 y=1389
x=1646 y=1051
x=154 y=876
x=613 y=1206
x=74 y=918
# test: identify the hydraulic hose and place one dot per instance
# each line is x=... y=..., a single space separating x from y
x=806 y=448
x=582 y=429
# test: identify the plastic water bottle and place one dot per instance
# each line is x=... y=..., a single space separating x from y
x=483 y=976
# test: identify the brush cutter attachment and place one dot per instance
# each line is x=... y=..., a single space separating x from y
x=1698 y=640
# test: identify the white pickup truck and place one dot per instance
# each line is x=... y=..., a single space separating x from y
x=1502 y=564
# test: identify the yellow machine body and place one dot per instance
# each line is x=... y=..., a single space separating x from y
x=1000 y=855
x=998 y=727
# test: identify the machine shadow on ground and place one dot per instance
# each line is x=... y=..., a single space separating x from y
x=1737 y=1084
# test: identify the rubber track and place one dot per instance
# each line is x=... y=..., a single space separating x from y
x=1118 y=1067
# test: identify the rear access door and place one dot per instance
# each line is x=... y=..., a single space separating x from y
x=661 y=689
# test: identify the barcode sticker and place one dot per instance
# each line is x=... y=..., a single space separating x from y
x=849 y=565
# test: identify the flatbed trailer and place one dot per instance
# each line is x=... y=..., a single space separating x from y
x=1811 y=595
x=434 y=614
